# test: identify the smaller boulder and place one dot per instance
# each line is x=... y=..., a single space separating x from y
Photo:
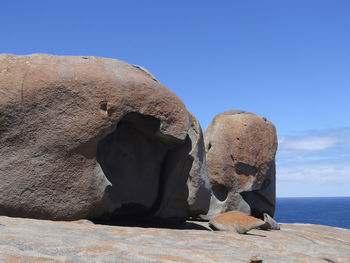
x=235 y=221
x=270 y=223
x=240 y=155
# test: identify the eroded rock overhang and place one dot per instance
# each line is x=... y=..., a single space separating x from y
x=96 y=137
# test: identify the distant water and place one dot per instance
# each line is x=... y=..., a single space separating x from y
x=332 y=211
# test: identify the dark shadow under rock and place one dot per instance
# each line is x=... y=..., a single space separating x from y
x=147 y=170
x=154 y=223
x=263 y=200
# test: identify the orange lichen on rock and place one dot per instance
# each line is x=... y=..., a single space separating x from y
x=235 y=221
x=240 y=152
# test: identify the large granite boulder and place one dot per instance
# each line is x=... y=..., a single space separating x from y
x=240 y=150
x=90 y=137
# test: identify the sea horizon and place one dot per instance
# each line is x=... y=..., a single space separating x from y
x=332 y=211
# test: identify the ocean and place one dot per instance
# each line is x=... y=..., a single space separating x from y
x=332 y=211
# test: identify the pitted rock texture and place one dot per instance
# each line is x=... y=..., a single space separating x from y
x=90 y=137
x=240 y=150
x=29 y=240
x=235 y=221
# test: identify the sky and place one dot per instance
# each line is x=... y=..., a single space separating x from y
x=288 y=61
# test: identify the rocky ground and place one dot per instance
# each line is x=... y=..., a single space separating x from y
x=29 y=240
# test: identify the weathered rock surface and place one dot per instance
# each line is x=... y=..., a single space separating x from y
x=89 y=137
x=240 y=151
x=235 y=221
x=29 y=240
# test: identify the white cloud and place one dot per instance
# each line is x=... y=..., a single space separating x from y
x=314 y=164
x=314 y=173
x=328 y=144
x=310 y=143
x=314 y=179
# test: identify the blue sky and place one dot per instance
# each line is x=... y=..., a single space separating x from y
x=286 y=60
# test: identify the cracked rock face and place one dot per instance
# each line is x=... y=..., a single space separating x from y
x=90 y=137
x=240 y=150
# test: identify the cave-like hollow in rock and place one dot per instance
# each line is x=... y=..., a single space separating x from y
x=147 y=170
